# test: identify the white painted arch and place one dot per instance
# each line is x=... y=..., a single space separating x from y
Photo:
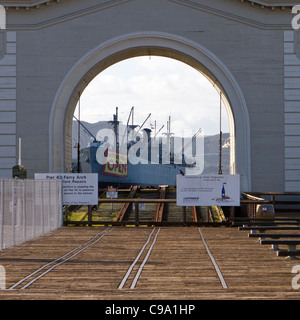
x=150 y=43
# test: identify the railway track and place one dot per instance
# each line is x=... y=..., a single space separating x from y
x=136 y=267
x=45 y=269
x=216 y=267
x=151 y=242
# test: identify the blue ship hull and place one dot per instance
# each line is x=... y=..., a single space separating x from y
x=118 y=171
x=144 y=175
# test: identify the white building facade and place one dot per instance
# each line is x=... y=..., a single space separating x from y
x=50 y=51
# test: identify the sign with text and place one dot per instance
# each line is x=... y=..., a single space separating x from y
x=208 y=190
x=112 y=193
x=116 y=164
x=78 y=188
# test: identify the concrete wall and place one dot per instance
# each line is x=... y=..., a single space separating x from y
x=8 y=115
x=50 y=40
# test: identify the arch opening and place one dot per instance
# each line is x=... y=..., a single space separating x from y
x=137 y=45
x=159 y=93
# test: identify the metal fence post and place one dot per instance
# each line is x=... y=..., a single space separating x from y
x=90 y=215
x=137 y=214
x=14 y=196
x=42 y=211
x=50 y=213
x=60 y=208
x=24 y=209
x=33 y=208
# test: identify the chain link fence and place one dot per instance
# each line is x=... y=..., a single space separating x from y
x=28 y=209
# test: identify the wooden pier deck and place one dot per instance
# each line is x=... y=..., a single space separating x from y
x=177 y=267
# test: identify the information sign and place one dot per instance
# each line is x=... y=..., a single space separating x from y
x=208 y=190
x=78 y=188
x=112 y=193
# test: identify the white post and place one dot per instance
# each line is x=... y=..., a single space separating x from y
x=20 y=147
x=2 y=278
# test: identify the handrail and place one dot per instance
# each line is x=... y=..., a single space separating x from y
x=251 y=197
x=136 y=220
x=242 y=201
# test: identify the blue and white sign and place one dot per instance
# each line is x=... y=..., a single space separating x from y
x=208 y=190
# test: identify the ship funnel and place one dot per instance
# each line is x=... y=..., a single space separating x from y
x=147 y=141
x=148 y=133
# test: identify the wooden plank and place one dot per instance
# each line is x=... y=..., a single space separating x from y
x=274 y=235
x=178 y=267
x=270 y=228
x=160 y=206
x=288 y=253
x=280 y=241
x=123 y=211
x=270 y=224
x=194 y=213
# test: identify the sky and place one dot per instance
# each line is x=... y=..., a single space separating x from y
x=161 y=86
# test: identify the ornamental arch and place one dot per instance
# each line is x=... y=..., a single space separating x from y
x=133 y=45
x=50 y=50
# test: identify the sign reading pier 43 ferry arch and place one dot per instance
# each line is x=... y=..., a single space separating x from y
x=208 y=190
x=78 y=188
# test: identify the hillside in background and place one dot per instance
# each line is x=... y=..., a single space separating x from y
x=211 y=154
x=211 y=145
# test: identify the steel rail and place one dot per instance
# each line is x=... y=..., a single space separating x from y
x=59 y=260
x=219 y=273
x=138 y=274
x=124 y=280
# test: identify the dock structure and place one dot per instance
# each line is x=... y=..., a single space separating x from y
x=146 y=263
x=161 y=252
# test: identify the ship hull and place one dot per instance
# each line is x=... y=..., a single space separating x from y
x=144 y=175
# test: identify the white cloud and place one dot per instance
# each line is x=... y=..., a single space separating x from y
x=159 y=86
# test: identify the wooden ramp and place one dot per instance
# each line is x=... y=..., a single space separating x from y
x=125 y=207
x=146 y=263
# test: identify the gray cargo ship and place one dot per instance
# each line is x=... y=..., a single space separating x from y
x=159 y=165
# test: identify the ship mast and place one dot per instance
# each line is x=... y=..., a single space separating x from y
x=115 y=124
x=129 y=128
x=168 y=134
x=143 y=124
x=220 y=155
